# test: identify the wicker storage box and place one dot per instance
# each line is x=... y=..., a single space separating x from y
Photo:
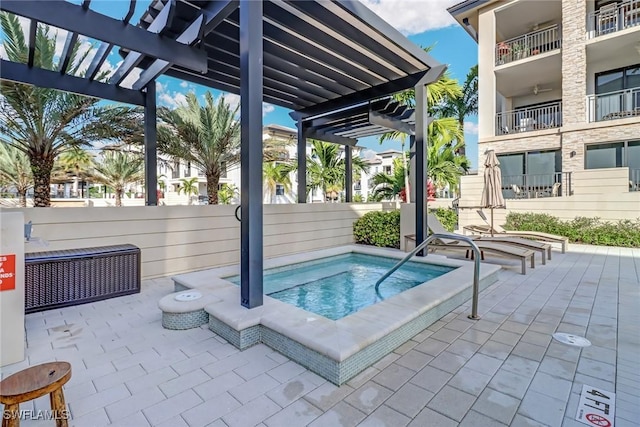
x=63 y=278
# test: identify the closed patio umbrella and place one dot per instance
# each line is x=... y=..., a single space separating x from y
x=492 y=191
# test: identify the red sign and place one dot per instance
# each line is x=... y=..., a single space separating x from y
x=7 y=272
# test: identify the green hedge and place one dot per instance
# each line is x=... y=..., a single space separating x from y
x=592 y=231
x=378 y=229
x=383 y=228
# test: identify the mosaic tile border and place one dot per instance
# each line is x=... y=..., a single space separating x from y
x=340 y=372
x=188 y=320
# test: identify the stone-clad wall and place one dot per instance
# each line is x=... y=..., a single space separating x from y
x=574 y=61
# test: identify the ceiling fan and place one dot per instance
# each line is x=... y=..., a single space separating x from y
x=537 y=90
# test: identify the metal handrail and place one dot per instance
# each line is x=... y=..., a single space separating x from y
x=476 y=267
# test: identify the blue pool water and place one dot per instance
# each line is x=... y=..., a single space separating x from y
x=337 y=286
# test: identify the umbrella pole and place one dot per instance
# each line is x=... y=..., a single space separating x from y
x=491 y=222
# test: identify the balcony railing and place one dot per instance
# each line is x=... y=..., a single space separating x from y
x=532 y=186
x=534 y=43
x=614 y=105
x=634 y=179
x=545 y=116
x=614 y=17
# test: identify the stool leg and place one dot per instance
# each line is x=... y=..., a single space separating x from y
x=58 y=408
x=11 y=415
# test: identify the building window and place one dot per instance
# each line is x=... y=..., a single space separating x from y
x=536 y=171
x=387 y=170
x=187 y=171
x=175 y=171
x=613 y=155
x=279 y=190
x=618 y=91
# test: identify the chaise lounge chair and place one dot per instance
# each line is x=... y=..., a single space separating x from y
x=435 y=226
x=485 y=246
x=535 y=235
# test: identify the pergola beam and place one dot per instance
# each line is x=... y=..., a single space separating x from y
x=329 y=137
x=39 y=77
x=65 y=56
x=199 y=28
x=33 y=27
x=98 y=59
x=91 y=24
x=373 y=92
x=390 y=122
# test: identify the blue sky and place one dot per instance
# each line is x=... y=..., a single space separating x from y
x=425 y=22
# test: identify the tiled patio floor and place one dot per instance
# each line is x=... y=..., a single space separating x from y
x=501 y=370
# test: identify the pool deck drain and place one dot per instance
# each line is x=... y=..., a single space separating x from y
x=336 y=350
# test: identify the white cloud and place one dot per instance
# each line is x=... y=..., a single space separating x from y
x=267 y=108
x=413 y=16
x=471 y=128
x=172 y=100
x=184 y=84
x=160 y=87
x=131 y=78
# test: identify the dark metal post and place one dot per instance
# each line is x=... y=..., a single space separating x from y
x=150 y=146
x=251 y=92
x=412 y=168
x=302 y=163
x=348 y=174
x=420 y=165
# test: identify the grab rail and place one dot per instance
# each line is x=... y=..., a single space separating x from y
x=476 y=267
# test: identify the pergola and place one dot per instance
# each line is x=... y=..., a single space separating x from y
x=334 y=63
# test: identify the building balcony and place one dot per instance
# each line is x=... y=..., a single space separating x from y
x=531 y=186
x=530 y=44
x=614 y=105
x=546 y=116
x=613 y=18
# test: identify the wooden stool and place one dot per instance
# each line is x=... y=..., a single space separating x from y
x=32 y=383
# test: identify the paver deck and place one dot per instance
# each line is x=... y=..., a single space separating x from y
x=504 y=369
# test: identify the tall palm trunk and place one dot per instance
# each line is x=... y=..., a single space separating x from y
x=22 y=198
x=41 y=167
x=213 y=179
x=461 y=150
x=119 y=193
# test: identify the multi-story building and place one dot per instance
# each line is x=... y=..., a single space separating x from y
x=559 y=89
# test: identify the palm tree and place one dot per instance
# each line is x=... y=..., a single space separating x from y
x=43 y=123
x=189 y=187
x=74 y=162
x=274 y=173
x=326 y=168
x=462 y=106
x=207 y=136
x=445 y=166
x=119 y=168
x=388 y=187
x=227 y=193
x=15 y=171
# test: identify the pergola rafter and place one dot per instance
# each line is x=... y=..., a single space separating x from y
x=313 y=57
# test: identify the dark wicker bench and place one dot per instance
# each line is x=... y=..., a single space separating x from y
x=57 y=279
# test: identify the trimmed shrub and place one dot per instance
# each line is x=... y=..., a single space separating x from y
x=592 y=231
x=383 y=228
x=378 y=229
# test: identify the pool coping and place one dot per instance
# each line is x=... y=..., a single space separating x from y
x=337 y=350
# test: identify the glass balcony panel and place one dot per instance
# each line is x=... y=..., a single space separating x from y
x=614 y=105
